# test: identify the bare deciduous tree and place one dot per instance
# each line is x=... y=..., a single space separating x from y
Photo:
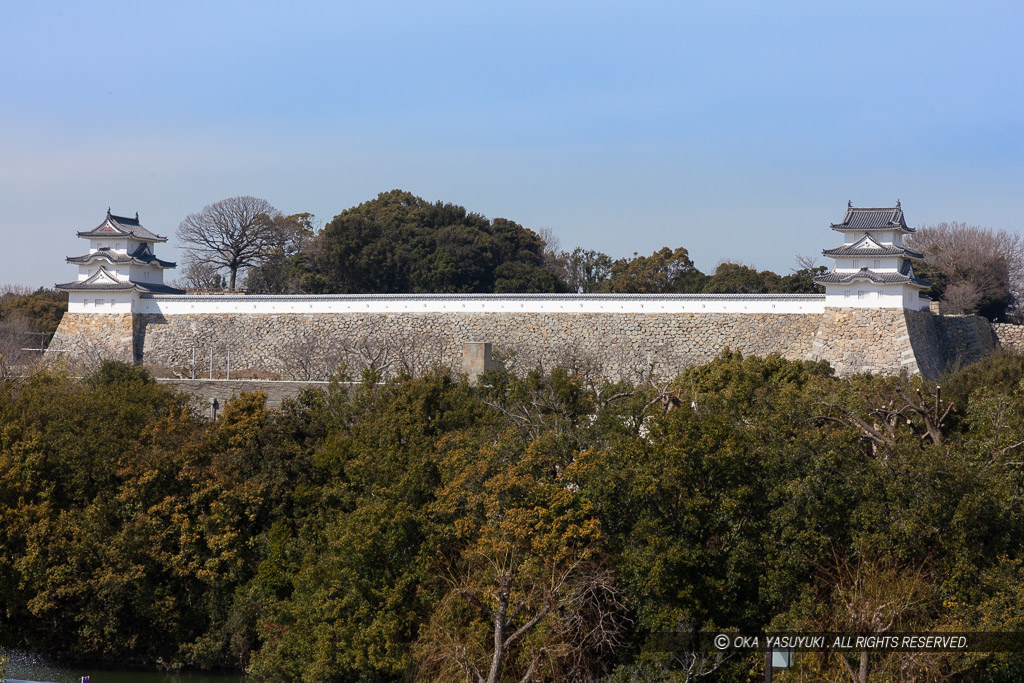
x=15 y=290
x=371 y=350
x=312 y=356
x=234 y=234
x=15 y=338
x=974 y=269
x=576 y=606
x=201 y=275
x=879 y=421
x=389 y=352
x=421 y=352
x=876 y=593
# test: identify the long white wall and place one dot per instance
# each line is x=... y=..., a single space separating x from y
x=168 y=304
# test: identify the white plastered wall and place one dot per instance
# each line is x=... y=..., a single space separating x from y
x=707 y=303
x=101 y=302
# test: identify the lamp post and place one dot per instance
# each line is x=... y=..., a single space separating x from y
x=776 y=659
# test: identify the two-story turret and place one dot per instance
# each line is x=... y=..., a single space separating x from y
x=873 y=269
x=121 y=263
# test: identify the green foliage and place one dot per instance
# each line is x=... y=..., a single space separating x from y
x=663 y=272
x=801 y=281
x=43 y=308
x=585 y=270
x=401 y=243
x=375 y=533
x=668 y=271
x=283 y=262
x=113 y=373
x=734 y=278
x=1001 y=371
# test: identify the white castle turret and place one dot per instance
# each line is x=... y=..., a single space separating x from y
x=873 y=269
x=120 y=265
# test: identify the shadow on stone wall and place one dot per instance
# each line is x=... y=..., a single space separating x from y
x=947 y=343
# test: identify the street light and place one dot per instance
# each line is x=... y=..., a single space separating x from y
x=776 y=659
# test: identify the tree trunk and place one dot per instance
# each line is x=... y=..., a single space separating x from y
x=863 y=673
x=499 y=632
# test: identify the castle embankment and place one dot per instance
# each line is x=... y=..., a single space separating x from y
x=620 y=336
x=871 y=318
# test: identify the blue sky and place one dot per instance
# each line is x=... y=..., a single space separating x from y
x=738 y=130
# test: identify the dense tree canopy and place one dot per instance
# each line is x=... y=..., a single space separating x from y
x=400 y=243
x=546 y=525
x=41 y=309
x=666 y=271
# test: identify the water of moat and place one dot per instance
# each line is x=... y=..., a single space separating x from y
x=31 y=667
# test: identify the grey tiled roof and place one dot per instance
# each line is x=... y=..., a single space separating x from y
x=907 y=276
x=147 y=287
x=137 y=258
x=873 y=218
x=103 y=280
x=122 y=226
x=872 y=251
x=154 y=288
x=98 y=286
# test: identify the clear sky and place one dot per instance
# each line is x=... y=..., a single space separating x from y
x=736 y=129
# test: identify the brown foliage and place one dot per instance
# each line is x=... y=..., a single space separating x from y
x=974 y=270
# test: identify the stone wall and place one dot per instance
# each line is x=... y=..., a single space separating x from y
x=963 y=339
x=891 y=341
x=305 y=347
x=1009 y=336
x=855 y=340
x=89 y=337
x=300 y=346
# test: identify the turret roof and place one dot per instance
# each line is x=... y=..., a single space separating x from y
x=905 y=276
x=872 y=251
x=122 y=226
x=104 y=280
x=873 y=218
x=867 y=246
x=139 y=257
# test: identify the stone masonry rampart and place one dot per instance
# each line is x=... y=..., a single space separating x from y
x=297 y=346
x=619 y=344
x=90 y=337
x=1009 y=336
